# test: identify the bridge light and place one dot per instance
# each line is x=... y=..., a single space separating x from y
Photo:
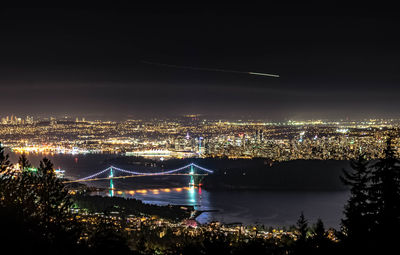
x=112 y=176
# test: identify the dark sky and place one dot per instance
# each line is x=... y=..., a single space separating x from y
x=334 y=61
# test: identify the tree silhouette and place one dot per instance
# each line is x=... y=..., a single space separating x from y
x=16 y=189
x=37 y=209
x=4 y=160
x=24 y=162
x=301 y=245
x=4 y=170
x=320 y=242
x=385 y=196
x=319 y=233
x=5 y=173
x=357 y=224
x=53 y=201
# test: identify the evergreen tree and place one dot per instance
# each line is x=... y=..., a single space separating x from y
x=4 y=160
x=302 y=228
x=319 y=233
x=55 y=222
x=5 y=172
x=385 y=196
x=35 y=210
x=301 y=245
x=53 y=201
x=6 y=177
x=357 y=223
x=321 y=244
x=24 y=162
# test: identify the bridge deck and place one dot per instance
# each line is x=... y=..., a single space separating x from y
x=131 y=176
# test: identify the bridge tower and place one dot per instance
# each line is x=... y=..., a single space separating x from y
x=191 y=183
x=111 y=183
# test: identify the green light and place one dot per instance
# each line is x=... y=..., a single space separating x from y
x=192 y=195
x=191 y=183
x=111 y=183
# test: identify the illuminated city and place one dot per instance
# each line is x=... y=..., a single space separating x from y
x=195 y=137
x=196 y=128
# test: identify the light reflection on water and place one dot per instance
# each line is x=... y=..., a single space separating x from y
x=272 y=208
x=193 y=196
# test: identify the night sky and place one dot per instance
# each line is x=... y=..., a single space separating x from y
x=333 y=61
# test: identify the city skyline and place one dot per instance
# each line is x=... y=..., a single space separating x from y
x=269 y=128
x=32 y=118
x=194 y=137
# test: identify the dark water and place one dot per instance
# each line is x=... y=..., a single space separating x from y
x=272 y=208
x=263 y=207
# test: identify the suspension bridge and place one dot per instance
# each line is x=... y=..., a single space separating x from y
x=192 y=170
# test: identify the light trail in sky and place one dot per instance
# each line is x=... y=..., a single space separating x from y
x=211 y=69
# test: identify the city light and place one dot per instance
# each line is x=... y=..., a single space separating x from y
x=315 y=139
